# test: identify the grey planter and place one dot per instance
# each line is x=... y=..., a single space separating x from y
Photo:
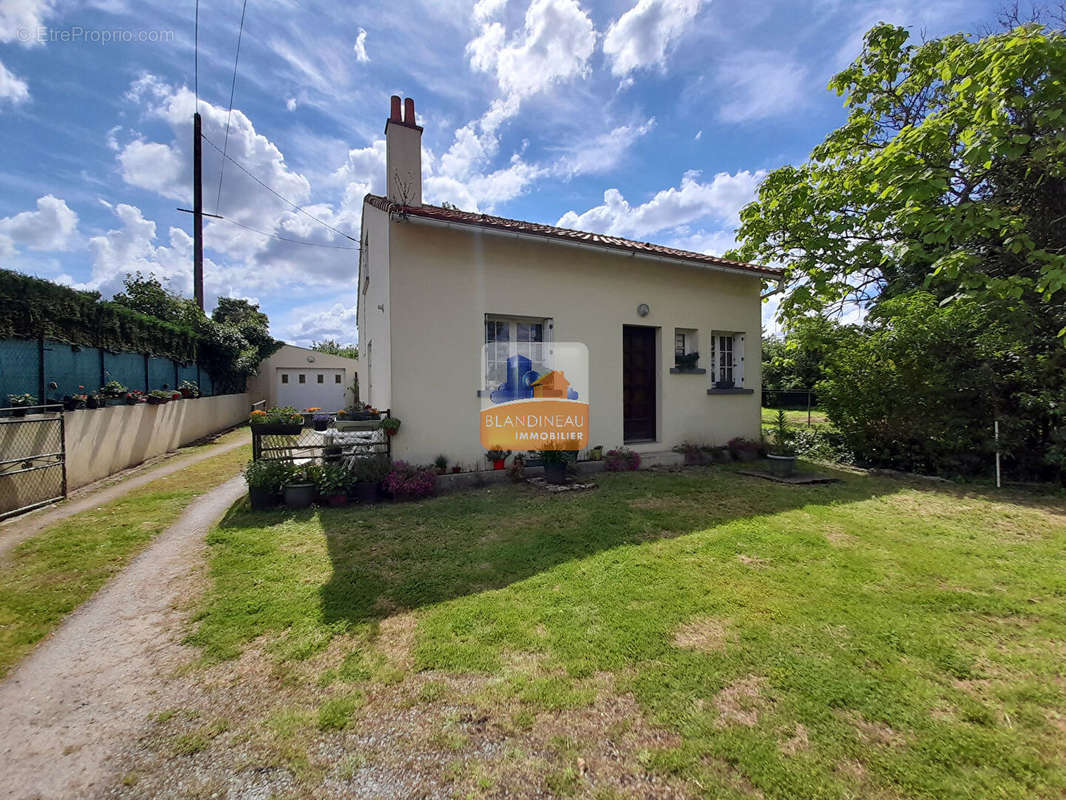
x=555 y=472
x=782 y=466
x=299 y=495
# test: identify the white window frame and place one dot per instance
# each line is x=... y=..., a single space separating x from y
x=723 y=368
x=514 y=346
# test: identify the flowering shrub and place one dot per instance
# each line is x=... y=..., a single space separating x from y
x=285 y=415
x=622 y=460
x=408 y=482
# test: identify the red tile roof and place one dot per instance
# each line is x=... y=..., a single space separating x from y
x=552 y=232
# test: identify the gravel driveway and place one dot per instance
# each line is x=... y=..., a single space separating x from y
x=84 y=695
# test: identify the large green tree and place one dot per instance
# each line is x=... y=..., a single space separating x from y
x=949 y=174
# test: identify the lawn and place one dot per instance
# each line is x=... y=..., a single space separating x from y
x=48 y=576
x=684 y=634
x=818 y=418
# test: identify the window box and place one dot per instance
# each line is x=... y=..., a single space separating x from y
x=687 y=371
x=278 y=428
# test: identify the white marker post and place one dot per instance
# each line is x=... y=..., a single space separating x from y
x=995 y=425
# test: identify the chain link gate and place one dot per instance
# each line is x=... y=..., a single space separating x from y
x=33 y=469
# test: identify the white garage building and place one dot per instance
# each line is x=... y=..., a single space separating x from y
x=304 y=378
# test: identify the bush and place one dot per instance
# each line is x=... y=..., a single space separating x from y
x=408 y=482
x=285 y=415
x=821 y=445
x=622 y=459
x=268 y=475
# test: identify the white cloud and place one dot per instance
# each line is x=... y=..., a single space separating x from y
x=12 y=88
x=487 y=9
x=759 y=84
x=604 y=152
x=360 y=47
x=21 y=20
x=336 y=322
x=641 y=36
x=670 y=209
x=554 y=44
x=53 y=226
x=290 y=104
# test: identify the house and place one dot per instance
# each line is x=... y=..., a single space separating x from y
x=304 y=378
x=457 y=310
x=552 y=384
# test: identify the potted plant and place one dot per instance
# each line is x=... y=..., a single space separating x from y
x=596 y=453
x=555 y=457
x=497 y=456
x=441 y=463
x=94 y=400
x=724 y=384
x=72 y=402
x=19 y=403
x=189 y=389
x=782 y=453
x=390 y=425
x=113 y=392
x=135 y=396
x=265 y=480
x=300 y=485
x=333 y=484
x=321 y=421
x=693 y=453
x=744 y=449
x=685 y=361
x=409 y=482
x=281 y=421
x=360 y=411
x=517 y=471
x=368 y=474
x=159 y=397
x=622 y=459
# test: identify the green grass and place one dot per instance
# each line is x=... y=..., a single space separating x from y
x=863 y=639
x=818 y=418
x=45 y=578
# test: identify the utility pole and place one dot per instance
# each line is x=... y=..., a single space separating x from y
x=197 y=213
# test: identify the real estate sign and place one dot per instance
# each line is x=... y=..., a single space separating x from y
x=534 y=396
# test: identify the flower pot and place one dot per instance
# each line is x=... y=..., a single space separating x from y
x=366 y=492
x=70 y=405
x=278 y=428
x=747 y=455
x=555 y=472
x=336 y=500
x=499 y=463
x=320 y=425
x=18 y=412
x=93 y=402
x=299 y=495
x=158 y=401
x=782 y=466
x=391 y=431
x=371 y=424
x=261 y=499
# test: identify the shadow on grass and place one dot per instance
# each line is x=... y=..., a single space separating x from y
x=391 y=558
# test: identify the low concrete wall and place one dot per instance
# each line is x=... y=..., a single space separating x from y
x=102 y=442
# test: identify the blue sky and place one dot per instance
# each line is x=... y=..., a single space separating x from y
x=653 y=119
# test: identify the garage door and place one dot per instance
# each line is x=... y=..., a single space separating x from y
x=312 y=387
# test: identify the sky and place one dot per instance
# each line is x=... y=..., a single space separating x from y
x=649 y=119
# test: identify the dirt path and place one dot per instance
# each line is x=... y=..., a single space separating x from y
x=19 y=529
x=80 y=699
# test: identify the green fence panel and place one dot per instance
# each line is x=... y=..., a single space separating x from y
x=126 y=368
x=18 y=368
x=69 y=369
x=161 y=373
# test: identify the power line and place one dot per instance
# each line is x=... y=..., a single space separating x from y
x=277 y=194
x=286 y=238
x=232 y=90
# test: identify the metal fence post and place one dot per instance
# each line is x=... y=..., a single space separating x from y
x=147 y=386
x=40 y=370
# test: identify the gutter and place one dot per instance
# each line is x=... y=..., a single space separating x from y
x=582 y=245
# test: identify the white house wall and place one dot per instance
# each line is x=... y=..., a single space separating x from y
x=375 y=365
x=444 y=280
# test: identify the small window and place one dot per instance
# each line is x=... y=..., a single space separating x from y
x=303 y=378
x=686 y=349
x=321 y=378
x=284 y=378
x=506 y=337
x=679 y=344
x=727 y=359
x=337 y=378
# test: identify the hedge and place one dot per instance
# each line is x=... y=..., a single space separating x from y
x=32 y=307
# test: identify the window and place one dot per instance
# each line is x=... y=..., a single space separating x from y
x=302 y=379
x=727 y=359
x=679 y=343
x=506 y=337
x=321 y=378
x=337 y=378
x=686 y=344
x=284 y=378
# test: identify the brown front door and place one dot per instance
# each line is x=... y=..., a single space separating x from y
x=638 y=383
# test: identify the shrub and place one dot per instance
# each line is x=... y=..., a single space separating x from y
x=517 y=470
x=268 y=475
x=408 y=482
x=285 y=415
x=21 y=400
x=622 y=459
x=333 y=479
x=822 y=445
x=739 y=446
x=371 y=470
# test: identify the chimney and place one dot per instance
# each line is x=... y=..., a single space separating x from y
x=403 y=154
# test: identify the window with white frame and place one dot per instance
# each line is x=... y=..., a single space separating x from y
x=510 y=336
x=727 y=359
x=686 y=343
